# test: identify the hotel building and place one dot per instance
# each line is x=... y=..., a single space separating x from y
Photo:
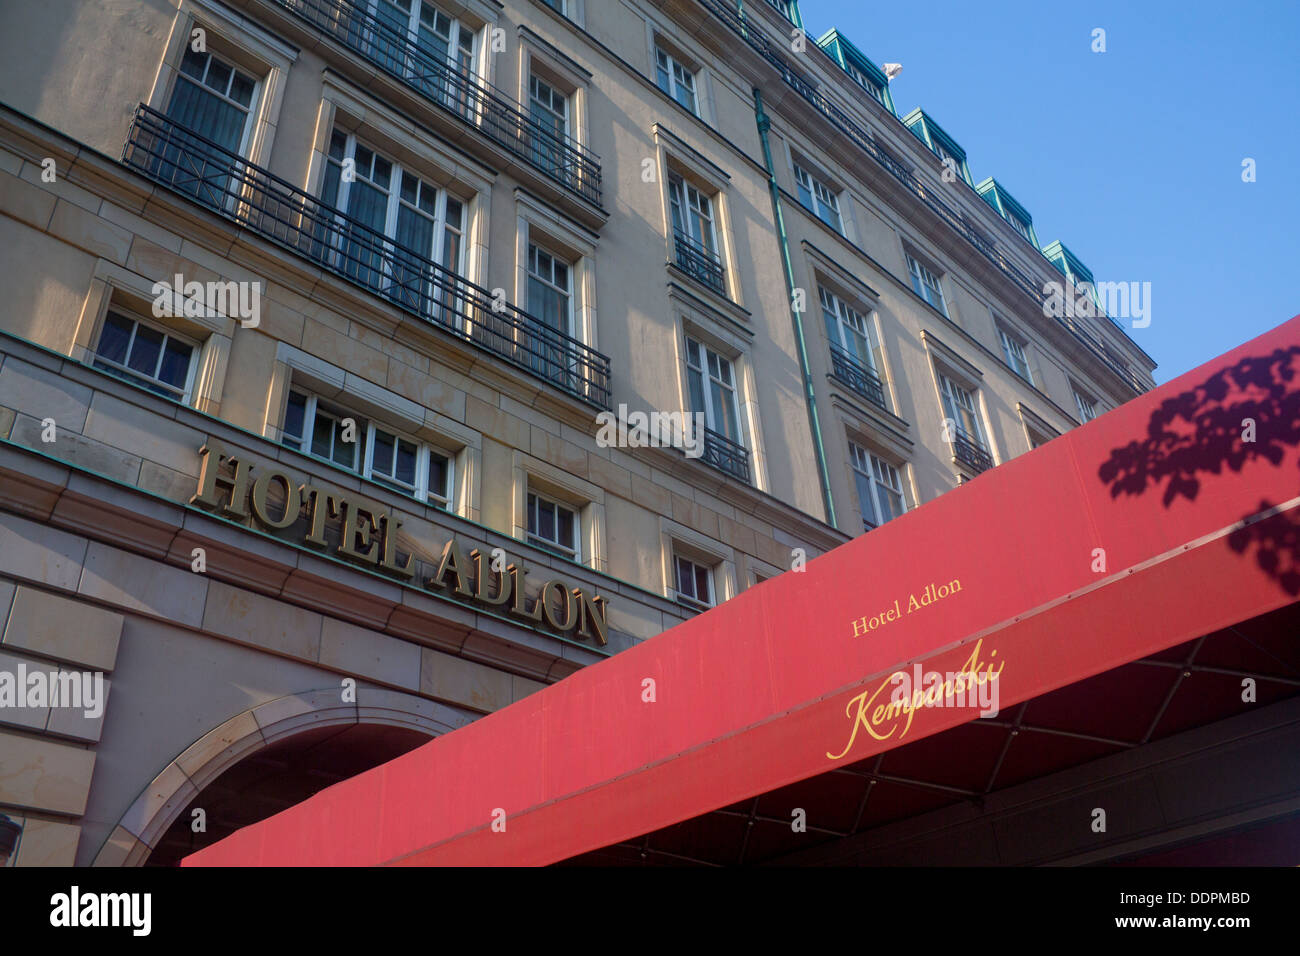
x=317 y=315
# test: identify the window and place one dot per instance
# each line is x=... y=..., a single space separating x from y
x=695 y=235
x=548 y=109
x=880 y=488
x=443 y=66
x=550 y=300
x=368 y=448
x=713 y=389
x=214 y=99
x=556 y=5
x=675 y=79
x=853 y=341
x=146 y=356
x=926 y=284
x=784 y=7
x=1087 y=406
x=1019 y=226
x=712 y=384
x=694 y=583
x=552 y=526
x=818 y=198
x=863 y=80
x=959 y=406
x=1014 y=352
x=422 y=223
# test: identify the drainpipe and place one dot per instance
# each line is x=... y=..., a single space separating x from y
x=810 y=396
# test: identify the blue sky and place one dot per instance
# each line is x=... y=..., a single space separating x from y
x=1131 y=157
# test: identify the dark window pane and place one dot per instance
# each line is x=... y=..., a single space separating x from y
x=218 y=76
x=320 y=439
x=438 y=469
x=405 y=462
x=241 y=89
x=294 y=414
x=145 y=350
x=546 y=520
x=115 y=338
x=176 y=363
x=383 y=461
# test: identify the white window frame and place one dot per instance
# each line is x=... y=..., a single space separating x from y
x=455 y=36
x=957 y=398
x=820 y=196
x=532 y=504
x=924 y=279
x=879 y=474
x=846 y=318
x=125 y=373
x=687 y=198
x=250 y=111
x=537 y=248
x=697 y=361
x=669 y=72
x=1086 y=407
x=1017 y=359
x=692 y=600
x=366 y=432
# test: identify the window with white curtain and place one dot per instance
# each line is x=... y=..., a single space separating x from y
x=880 y=487
x=959 y=406
x=676 y=79
x=926 y=284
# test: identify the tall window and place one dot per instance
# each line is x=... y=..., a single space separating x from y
x=1087 y=406
x=853 y=336
x=550 y=300
x=675 y=79
x=368 y=448
x=713 y=390
x=694 y=583
x=926 y=284
x=959 y=405
x=381 y=200
x=695 y=234
x=443 y=62
x=552 y=526
x=146 y=356
x=818 y=198
x=1014 y=352
x=864 y=80
x=880 y=487
x=213 y=98
x=549 y=110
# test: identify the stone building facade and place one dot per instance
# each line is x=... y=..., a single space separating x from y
x=326 y=321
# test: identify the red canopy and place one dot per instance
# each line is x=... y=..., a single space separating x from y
x=1164 y=519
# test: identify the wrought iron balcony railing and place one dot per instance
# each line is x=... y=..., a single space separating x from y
x=862 y=380
x=726 y=455
x=213 y=177
x=476 y=103
x=703 y=265
x=970 y=451
x=727 y=12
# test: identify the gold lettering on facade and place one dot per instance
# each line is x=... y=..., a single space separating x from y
x=369 y=538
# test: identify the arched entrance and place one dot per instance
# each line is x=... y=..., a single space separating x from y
x=265 y=760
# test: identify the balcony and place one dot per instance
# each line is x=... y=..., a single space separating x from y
x=701 y=264
x=476 y=104
x=970 y=451
x=862 y=380
x=223 y=182
x=775 y=55
x=726 y=455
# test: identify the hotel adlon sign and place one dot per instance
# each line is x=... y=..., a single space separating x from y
x=368 y=536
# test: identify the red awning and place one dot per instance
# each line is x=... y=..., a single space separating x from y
x=1165 y=519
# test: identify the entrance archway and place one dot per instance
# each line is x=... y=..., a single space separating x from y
x=267 y=759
